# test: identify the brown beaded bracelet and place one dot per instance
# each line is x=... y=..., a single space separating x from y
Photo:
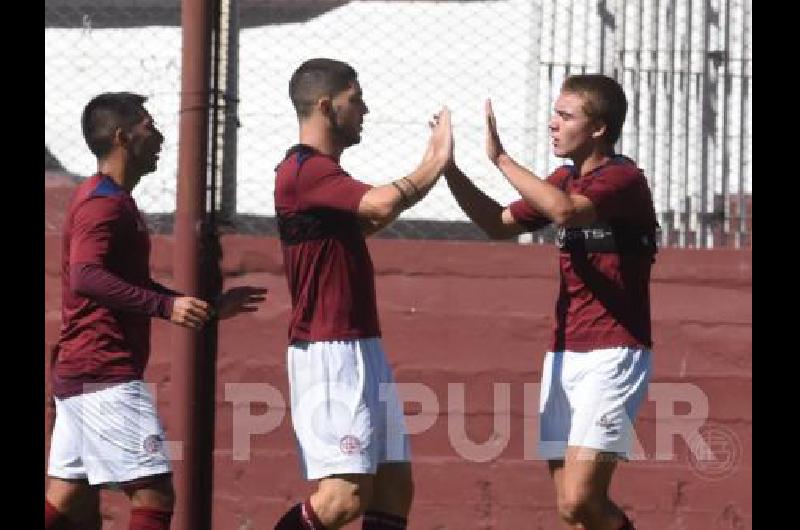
x=403 y=196
x=416 y=190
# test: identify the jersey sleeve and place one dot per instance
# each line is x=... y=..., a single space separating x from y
x=324 y=184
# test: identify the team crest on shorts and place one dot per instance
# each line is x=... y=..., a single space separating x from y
x=152 y=444
x=350 y=445
x=609 y=424
x=603 y=421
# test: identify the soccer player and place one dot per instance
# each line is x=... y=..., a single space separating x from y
x=596 y=372
x=106 y=431
x=345 y=410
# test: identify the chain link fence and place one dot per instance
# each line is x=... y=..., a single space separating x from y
x=686 y=68
x=106 y=45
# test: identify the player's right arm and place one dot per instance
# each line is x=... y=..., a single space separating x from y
x=92 y=232
x=382 y=204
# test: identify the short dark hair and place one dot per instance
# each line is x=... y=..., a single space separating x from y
x=106 y=113
x=604 y=101
x=316 y=78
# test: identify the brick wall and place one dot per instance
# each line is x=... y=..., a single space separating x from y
x=459 y=318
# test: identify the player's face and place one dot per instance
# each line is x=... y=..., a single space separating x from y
x=573 y=133
x=144 y=146
x=348 y=114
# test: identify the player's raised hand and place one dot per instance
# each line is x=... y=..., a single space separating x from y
x=433 y=124
x=441 y=143
x=494 y=147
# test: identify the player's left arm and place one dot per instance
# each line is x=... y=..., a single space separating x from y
x=550 y=201
x=163 y=289
x=564 y=209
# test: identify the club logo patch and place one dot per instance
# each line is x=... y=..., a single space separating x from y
x=350 y=445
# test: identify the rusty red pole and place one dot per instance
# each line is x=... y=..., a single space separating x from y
x=192 y=162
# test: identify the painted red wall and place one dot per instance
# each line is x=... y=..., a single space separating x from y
x=465 y=316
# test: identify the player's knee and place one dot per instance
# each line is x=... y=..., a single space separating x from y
x=569 y=511
x=574 y=505
x=345 y=506
x=349 y=507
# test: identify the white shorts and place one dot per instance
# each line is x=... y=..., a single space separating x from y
x=590 y=399
x=346 y=412
x=108 y=436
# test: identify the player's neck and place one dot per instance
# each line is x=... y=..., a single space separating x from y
x=320 y=139
x=114 y=168
x=592 y=160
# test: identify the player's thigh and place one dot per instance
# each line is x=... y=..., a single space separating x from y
x=587 y=473
x=76 y=499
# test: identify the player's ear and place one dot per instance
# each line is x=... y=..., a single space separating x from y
x=325 y=106
x=121 y=137
x=600 y=129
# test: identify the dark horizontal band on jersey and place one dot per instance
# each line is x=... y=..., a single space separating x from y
x=602 y=237
x=309 y=225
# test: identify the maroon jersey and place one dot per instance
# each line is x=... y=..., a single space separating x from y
x=604 y=298
x=108 y=297
x=328 y=267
